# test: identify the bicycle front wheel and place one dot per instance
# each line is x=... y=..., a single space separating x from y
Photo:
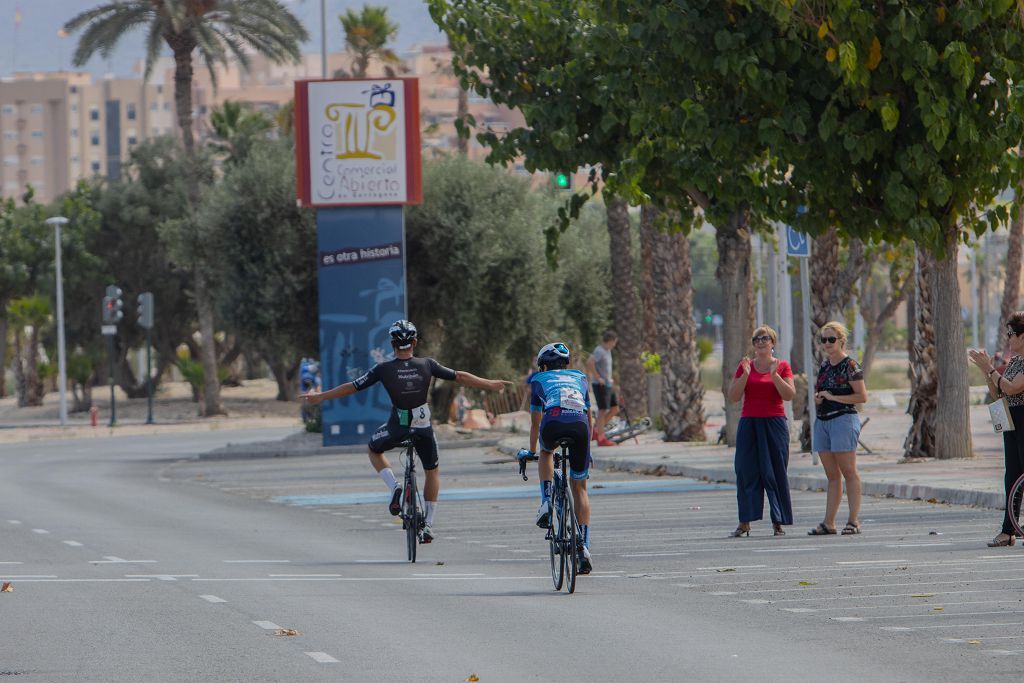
x=411 y=515
x=571 y=553
x=1013 y=506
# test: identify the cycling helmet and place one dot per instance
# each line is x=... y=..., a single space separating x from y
x=403 y=334
x=554 y=355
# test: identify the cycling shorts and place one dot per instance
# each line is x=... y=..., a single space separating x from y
x=551 y=430
x=391 y=433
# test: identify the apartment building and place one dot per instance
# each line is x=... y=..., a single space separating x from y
x=57 y=128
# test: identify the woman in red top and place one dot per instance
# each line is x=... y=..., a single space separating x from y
x=762 y=438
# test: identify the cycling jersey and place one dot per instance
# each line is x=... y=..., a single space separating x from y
x=407 y=382
x=563 y=397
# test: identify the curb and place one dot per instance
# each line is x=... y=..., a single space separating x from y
x=278 y=449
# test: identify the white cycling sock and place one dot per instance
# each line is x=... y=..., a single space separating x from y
x=389 y=478
x=431 y=507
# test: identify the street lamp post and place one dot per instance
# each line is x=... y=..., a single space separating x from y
x=323 y=38
x=62 y=369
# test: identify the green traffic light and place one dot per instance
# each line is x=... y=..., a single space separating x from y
x=562 y=181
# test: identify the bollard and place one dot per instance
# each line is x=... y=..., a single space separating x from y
x=94 y=413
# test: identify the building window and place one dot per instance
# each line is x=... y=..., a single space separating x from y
x=8 y=109
x=153 y=107
x=37 y=133
x=37 y=109
x=37 y=161
x=94 y=138
x=130 y=109
x=10 y=160
x=74 y=108
x=132 y=140
x=10 y=135
x=167 y=106
x=74 y=89
x=95 y=166
x=94 y=113
x=74 y=132
x=74 y=160
x=11 y=185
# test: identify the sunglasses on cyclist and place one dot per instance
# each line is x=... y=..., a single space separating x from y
x=829 y=340
x=761 y=338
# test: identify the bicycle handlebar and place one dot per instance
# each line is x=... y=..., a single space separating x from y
x=524 y=456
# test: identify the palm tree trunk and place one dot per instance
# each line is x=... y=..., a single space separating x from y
x=20 y=388
x=208 y=351
x=632 y=384
x=736 y=280
x=34 y=389
x=952 y=413
x=682 y=388
x=920 y=441
x=461 y=111
x=183 y=90
x=648 y=245
x=1011 y=290
x=3 y=348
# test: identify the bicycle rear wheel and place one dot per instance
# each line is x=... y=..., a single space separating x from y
x=1014 y=504
x=571 y=547
x=556 y=529
x=410 y=513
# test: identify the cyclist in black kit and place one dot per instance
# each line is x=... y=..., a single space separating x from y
x=407 y=381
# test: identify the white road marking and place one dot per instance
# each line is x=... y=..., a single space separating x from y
x=162 y=577
x=111 y=559
x=799 y=610
x=914 y=545
x=55 y=580
x=10 y=563
x=497 y=546
x=257 y=561
x=788 y=550
x=724 y=593
x=14 y=521
x=73 y=544
x=212 y=598
x=323 y=657
x=40 y=531
x=304 y=575
x=921 y=628
x=846 y=618
x=737 y=566
x=673 y=554
x=874 y=562
x=268 y=625
x=31 y=576
x=756 y=602
x=432 y=576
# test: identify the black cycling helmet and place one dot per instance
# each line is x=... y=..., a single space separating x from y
x=554 y=355
x=403 y=334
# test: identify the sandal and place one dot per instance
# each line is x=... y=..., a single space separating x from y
x=821 y=530
x=740 y=531
x=1002 y=540
x=850 y=529
x=779 y=531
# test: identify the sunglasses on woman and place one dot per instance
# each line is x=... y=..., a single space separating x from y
x=1011 y=333
x=829 y=340
x=760 y=339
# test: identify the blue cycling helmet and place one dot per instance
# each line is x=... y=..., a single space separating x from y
x=554 y=355
x=403 y=334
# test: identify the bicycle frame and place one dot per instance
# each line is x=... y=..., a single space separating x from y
x=413 y=518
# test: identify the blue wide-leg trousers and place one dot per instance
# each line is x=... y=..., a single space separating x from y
x=762 y=457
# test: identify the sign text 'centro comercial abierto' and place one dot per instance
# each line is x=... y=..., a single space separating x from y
x=357 y=142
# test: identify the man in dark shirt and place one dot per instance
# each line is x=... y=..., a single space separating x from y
x=407 y=381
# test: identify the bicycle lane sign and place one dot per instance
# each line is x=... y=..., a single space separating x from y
x=797 y=243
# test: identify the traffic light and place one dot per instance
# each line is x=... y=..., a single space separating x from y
x=146 y=310
x=707 y=316
x=113 y=306
x=563 y=181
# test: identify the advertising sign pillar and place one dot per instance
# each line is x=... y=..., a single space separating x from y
x=358 y=163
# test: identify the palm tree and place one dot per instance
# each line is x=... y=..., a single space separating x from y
x=29 y=315
x=366 y=36
x=236 y=126
x=219 y=30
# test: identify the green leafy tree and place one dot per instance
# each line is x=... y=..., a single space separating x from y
x=367 y=34
x=236 y=128
x=28 y=315
x=219 y=30
x=259 y=244
x=913 y=111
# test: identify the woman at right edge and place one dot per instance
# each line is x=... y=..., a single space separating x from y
x=1008 y=383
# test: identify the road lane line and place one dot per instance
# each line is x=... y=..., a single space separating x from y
x=874 y=562
x=922 y=628
x=323 y=657
x=110 y=559
x=73 y=544
x=212 y=598
x=14 y=521
x=40 y=531
x=333 y=576
x=162 y=577
x=267 y=625
x=11 y=563
x=257 y=561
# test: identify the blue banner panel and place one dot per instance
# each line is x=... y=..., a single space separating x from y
x=361 y=268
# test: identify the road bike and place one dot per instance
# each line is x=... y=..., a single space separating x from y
x=413 y=518
x=564 y=537
x=624 y=429
x=1013 y=506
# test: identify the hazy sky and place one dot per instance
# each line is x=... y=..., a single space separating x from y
x=35 y=45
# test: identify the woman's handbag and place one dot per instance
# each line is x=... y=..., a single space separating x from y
x=1002 y=421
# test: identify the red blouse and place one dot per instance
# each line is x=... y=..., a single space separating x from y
x=760 y=397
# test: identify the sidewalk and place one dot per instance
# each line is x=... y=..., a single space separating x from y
x=978 y=481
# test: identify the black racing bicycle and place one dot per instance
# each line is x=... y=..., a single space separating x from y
x=563 y=534
x=413 y=518
x=1013 y=506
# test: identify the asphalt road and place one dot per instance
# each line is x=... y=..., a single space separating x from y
x=131 y=560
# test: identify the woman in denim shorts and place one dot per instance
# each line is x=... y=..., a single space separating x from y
x=840 y=386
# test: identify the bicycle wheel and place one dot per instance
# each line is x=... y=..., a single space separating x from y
x=410 y=514
x=571 y=548
x=555 y=530
x=1014 y=504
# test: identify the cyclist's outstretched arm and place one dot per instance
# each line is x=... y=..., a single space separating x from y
x=341 y=391
x=535 y=417
x=470 y=380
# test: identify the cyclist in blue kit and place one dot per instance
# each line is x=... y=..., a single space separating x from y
x=407 y=381
x=560 y=408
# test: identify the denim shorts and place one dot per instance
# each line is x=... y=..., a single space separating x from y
x=838 y=435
